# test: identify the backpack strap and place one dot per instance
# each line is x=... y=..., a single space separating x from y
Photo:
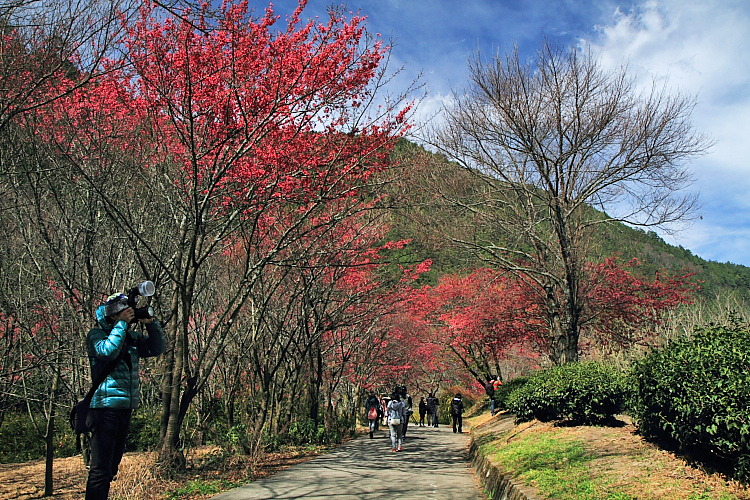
x=105 y=372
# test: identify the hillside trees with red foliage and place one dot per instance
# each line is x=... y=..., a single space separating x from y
x=483 y=316
x=621 y=308
x=478 y=317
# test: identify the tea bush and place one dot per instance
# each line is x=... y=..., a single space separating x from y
x=505 y=390
x=585 y=393
x=696 y=393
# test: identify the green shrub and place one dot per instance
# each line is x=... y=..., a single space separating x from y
x=505 y=390
x=585 y=393
x=19 y=441
x=304 y=432
x=143 y=434
x=200 y=487
x=696 y=393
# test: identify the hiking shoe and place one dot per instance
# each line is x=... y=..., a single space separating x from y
x=398 y=449
x=370 y=434
x=394 y=450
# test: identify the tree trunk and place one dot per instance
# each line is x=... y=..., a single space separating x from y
x=49 y=439
x=316 y=382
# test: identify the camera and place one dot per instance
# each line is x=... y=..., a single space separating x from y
x=145 y=289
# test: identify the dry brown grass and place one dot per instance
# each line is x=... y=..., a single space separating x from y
x=633 y=465
x=630 y=465
x=137 y=478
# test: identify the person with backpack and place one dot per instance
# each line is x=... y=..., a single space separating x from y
x=492 y=385
x=422 y=411
x=432 y=410
x=372 y=407
x=396 y=416
x=457 y=409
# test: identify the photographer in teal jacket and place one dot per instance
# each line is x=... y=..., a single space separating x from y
x=116 y=397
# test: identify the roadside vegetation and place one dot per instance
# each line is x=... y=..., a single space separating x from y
x=671 y=425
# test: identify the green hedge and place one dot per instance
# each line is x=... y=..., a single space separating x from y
x=506 y=389
x=584 y=393
x=21 y=442
x=143 y=434
x=696 y=393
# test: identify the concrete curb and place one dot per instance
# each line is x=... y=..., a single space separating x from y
x=497 y=484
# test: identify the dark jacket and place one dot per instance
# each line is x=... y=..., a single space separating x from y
x=432 y=404
x=120 y=389
x=457 y=406
x=372 y=402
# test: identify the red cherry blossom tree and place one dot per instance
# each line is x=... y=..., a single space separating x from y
x=241 y=137
x=484 y=315
x=478 y=317
x=621 y=308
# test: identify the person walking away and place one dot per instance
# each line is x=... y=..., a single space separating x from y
x=117 y=396
x=380 y=412
x=422 y=411
x=432 y=410
x=395 y=418
x=457 y=409
x=384 y=409
x=371 y=411
x=408 y=409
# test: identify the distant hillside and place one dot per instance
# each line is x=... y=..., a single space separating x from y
x=418 y=216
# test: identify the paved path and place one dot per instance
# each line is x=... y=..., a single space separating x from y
x=433 y=466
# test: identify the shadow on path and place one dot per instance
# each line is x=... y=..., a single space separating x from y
x=434 y=464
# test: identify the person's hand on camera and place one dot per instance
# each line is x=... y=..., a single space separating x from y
x=146 y=321
x=125 y=315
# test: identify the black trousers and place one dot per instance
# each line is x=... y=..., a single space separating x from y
x=109 y=430
x=458 y=419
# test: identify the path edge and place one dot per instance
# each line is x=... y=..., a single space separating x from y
x=496 y=483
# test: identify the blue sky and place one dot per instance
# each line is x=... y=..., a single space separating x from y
x=699 y=47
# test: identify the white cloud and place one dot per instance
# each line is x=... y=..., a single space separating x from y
x=700 y=48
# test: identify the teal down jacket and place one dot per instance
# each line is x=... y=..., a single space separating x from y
x=120 y=388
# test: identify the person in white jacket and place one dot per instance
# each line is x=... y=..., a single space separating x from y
x=396 y=416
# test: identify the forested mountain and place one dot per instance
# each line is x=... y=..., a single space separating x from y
x=419 y=216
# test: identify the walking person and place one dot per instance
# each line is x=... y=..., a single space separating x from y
x=114 y=400
x=371 y=410
x=408 y=410
x=384 y=409
x=432 y=410
x=395 y=418
x=457 y=409
x=422 y=411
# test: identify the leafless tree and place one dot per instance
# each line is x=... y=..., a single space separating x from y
x=550 y=139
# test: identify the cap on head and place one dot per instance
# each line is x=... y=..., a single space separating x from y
x=115 y=303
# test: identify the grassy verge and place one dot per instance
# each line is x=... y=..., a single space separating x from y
x=595 y=463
